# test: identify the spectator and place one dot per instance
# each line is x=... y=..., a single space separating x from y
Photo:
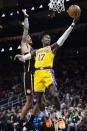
x=48 y=123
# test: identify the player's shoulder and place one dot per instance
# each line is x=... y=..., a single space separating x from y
x=23 y=43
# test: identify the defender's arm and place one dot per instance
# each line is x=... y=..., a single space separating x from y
x=26 y=57
x=26 y=27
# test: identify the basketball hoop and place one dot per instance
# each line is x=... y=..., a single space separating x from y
x=57 y=5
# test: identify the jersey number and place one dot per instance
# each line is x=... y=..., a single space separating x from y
x=41 y=57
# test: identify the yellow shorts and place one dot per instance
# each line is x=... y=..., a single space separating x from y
x=42 y=79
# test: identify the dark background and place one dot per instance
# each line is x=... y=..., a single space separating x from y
x=41 y=21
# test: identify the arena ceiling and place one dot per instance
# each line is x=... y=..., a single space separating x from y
x=41 y=20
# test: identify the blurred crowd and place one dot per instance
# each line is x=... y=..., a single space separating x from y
x=73 y=112
x=71 y=77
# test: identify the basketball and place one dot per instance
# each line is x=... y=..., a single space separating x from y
x=74 y=11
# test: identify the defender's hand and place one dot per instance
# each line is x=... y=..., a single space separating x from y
x=20 y=57
x=24 y=12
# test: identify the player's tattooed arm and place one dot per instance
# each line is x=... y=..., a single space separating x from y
x=26 y=26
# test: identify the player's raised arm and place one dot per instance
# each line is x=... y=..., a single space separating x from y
x=62 y=39
x=26 y=26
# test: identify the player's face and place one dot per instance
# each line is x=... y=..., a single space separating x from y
x=29 y=40
x=46 y=40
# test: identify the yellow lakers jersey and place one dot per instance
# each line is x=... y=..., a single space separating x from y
x=44 y=57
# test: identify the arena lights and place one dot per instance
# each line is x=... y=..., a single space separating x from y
x=17 y=12
x=67 y=0
x=10 y=57
x=77 y=52
x=19 y=47
x=3 y=15
x=11 y=14
x=41 y=6
x=10 y=49
x=2 y=50
x=33 y=8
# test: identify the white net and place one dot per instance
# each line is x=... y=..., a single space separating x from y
x=57 y=5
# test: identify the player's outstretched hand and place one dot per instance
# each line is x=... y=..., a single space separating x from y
x=20 y=57
x=75 y=20
x=24 y=12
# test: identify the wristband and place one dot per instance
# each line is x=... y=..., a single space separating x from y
x=73 y=24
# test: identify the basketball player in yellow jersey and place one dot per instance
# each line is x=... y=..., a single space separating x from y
x=43 y=65
x=44 y=77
